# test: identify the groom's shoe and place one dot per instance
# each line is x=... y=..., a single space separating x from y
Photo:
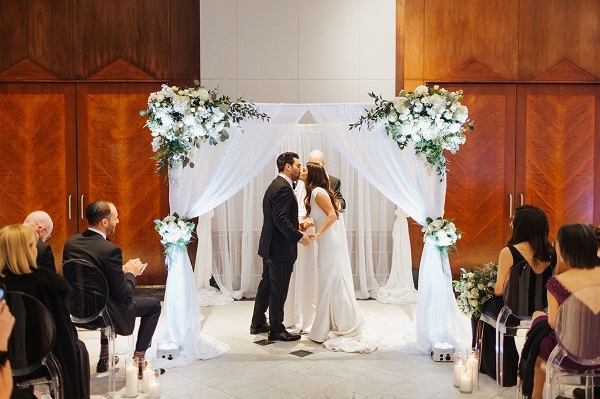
x=259 y=328
x=284 y=336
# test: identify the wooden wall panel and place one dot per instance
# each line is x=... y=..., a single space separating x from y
x=39 y=30
x=558 y=133
x=554 y=30
x=458 y=31
x=114 y=164
x=137 y=32
x=184 y=42
x=37 y=155
x=480 y=174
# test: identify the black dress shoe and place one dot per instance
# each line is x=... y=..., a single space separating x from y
x=284 y=336
x=257 y=329
x=102 y=366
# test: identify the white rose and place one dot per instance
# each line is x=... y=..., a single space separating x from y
x=203 y=94
x=421 y=90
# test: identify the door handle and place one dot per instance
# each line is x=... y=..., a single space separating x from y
x=82 y=217
x=69 y=206
x=510 y=205
x=522 y=200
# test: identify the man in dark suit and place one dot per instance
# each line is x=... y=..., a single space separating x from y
x=94 y=246
x=334 y=183
x=42 y=224
x=278 y=248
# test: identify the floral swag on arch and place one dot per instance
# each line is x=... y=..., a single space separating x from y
x=432 y=120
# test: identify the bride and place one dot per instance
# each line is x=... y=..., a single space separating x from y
x=339 y=323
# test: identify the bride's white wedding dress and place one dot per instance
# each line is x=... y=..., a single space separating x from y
x=339 y=323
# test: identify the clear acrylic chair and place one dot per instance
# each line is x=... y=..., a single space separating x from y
x=30 y=344
x=517 y=302
x=578 y=338
x=87 y=305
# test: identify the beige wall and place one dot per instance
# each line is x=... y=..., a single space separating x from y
x=299 y=51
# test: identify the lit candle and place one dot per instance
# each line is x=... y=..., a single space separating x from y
x=131 y=379
x=466 y=383
x=154 y=389
x=459 y=370
x=147 y=376
x=473 y=368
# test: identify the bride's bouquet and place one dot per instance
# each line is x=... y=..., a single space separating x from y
x=475 y=287
x=431 y=119
x=175 y=234
x=183 y=118
x=442 y=233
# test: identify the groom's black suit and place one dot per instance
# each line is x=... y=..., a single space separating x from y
x=278 y=246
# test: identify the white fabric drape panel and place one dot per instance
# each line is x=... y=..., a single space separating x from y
x=220 y=171
x=417 y=190
x=369 y=219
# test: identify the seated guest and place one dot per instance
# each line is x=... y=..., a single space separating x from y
x=18 y=272
x=94 y=246
x=42 y=224
x=528 y=242
x=576 y=247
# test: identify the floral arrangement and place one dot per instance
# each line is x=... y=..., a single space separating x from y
x=182 y=118
x=175 y=233
x=442 y=233
x=433 y=120
x=475 y=287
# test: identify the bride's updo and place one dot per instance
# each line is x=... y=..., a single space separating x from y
x=317 y=177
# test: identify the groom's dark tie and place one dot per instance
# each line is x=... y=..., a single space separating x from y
x=293 y=185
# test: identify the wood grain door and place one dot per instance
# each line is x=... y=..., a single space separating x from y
x=558 y=151
x=38 y=156
x=481 y=174
x=114 y=164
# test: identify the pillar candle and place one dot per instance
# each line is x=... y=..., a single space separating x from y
x=466 y=383
x=459 y=370
x=131 y=380
x=147 y=376
x=154 y=389
x=473 y=367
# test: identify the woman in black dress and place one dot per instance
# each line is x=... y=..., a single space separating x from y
x=529 y=242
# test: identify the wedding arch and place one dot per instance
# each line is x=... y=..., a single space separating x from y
x=221 y=171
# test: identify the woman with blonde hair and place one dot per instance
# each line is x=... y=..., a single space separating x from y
x=18 y=272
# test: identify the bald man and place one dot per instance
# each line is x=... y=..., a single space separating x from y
x=42 y=224
x=334 y=183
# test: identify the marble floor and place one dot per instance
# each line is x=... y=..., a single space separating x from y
x=250 y=370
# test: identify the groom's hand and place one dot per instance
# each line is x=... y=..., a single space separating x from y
x=307 y=239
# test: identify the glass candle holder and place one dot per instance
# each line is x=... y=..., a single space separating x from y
x=154 y=386
x=466 y=383
x=131 y=378
x=460 y=367
x=147 y=376
x=473 y=367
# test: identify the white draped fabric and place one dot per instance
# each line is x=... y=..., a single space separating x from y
x=223 y=170
x=402 y=177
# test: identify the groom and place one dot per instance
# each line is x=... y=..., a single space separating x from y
x=278 y=248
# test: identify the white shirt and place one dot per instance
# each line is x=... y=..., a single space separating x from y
x=97 y=231
x=288 y=180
